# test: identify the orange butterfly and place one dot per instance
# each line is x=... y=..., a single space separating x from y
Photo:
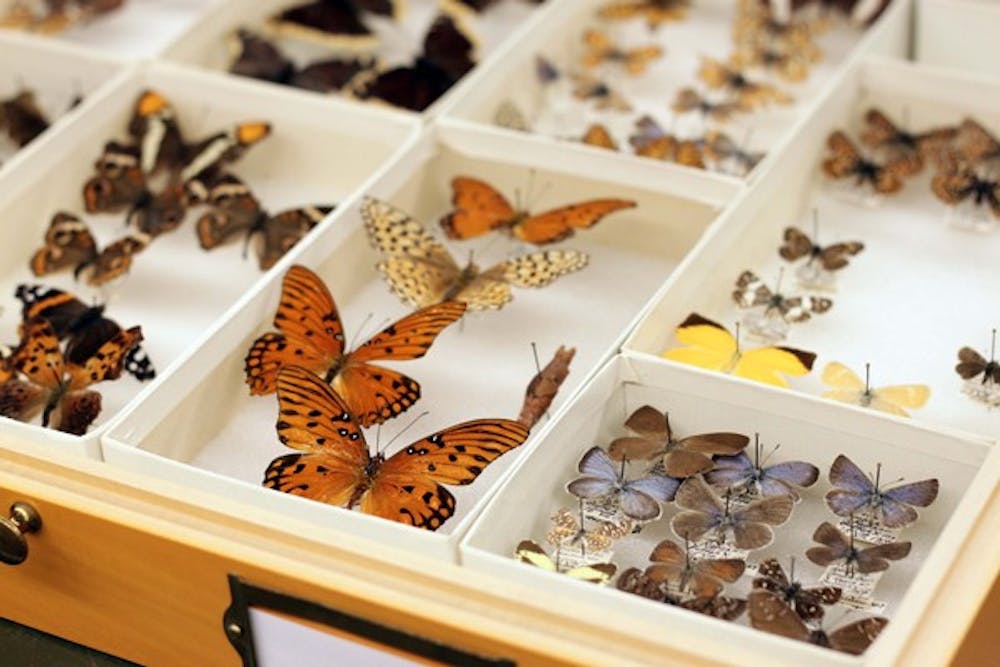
x=480 y=208
x=598 y=135
x=601 y=49
x=57 y=388
x=335 y=466
x=312 y=336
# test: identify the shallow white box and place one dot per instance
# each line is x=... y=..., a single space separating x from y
x=958 y=33
x=918 y=292
x=176 y=290
x=968 y=470
x=706 y=32
x=206 y=44
x=203 y=430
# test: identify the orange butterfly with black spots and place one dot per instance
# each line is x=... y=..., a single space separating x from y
x=311 y=335
x=335 y=466
x=480 y=208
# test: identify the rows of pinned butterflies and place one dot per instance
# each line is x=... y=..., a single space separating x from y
x=327 y=393
x=968 y=154
x=53 y=16
x=728 y=505
x=769 y=52
x=350 y=64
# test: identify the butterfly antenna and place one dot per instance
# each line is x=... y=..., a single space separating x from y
x=993 y=347
x=357 y=333
x=771 y=453
x=405 y=429
x=534 y=352
x=816 y=226
x=777 y=284
x=791 y=568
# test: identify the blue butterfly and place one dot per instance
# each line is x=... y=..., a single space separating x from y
x=856 y=491
x=780 y=479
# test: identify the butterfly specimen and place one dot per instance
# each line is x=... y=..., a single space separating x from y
x=333 y=23
x=838 y=547
x=68 y=244
x=479 y=208
x=155 y=130
x=728 y=156
x=680 y=457
x=595 y=573
x=747 y=93
x=907 y=151
x=84 y=328
x=854 y=492
x=982 y=377
x=708 y=345
x=422 y=272
x=636 y=582
x=974 y=144
x=769 y=612
x=222 y=148
x=311 y=336
x=652 y=141
x=958 y=183
x=706 y=513
x=237 y=212
x=115 y=260
x=56 y=387
x=737 y=471
x=21 y=118
x=653 y=12
x=447 y=56
x=545 y=385
x=510 y=116
x=52 y=16
x=637 y=499
x=831 y=258
x=600 y=49
x=604 y=97
x=333 y=464
x=752 y=292
x=673 y=564
x=789 y=66
x=120 y=180
x=598 y=135
x=847 y=162
x=689 y=99
x=567 y=528
x=847 y=387
x=546 y=71
x=807 y=601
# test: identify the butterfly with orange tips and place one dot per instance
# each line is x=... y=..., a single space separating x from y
x=334 y=464
x=57 y=388
x=601 y=49
x=480 y=209
x=311 y=335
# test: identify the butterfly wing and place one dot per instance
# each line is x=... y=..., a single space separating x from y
x=479 y=208
x=730 y=471
x=834 y=257
x=705 y=510
x=771 y=576
x=641 y=497
x=283 y=230
x=835 y=545
x=879 y=130
x=600 y=476
x=781 y=478
x=796 y=245
x=599 y=135
x=876 y=559
x=769 y=612
x=853 y=489
x=531 y=553
x=595 y=573
x=236 y=211
x=21 y=400
x=258 y=58
x=107 y=363
x=39 y=356
x=751 y=291
x=846 y=386
x=539 y=269
x=970 y=363
x=407 y=487
x=769 y=365
x=845 y=158
x=560 y=223
x=751 y=526
x=856 y=637
x=709 y=345
x=68 y=243
x=895 y=504
x=894 y=399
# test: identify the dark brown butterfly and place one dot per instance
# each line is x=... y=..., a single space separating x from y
x=68 y=244
x=544 y=386
x=847 y=161
x=962 y=182
x=222 y=149
x=236 y=211
x=634 y=581
x=336 y=23
x=907 y=150
x=673 y=564
x=115 y=260
x=971 y=364
x=839 y=548
x=446 y=57
x=807 y=601
x=770 y=613
x=707 y=513
x=832 y=257
x=84 y=328
x=120 y=180
x=21 y=118
x=155 y=131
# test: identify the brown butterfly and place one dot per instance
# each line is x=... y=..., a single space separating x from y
x=636 y=582
x=601 y=49
x=907 y=150
x=479 y=208
x=752 y=292
x=336 y=24
x=57 y=388
x=544 y=386
x=335 y=466
x=566 y=527
x=832 y=257
x=236 y=211
x=706 y=512
x=728 y=155
x=120 y=180
x=222 y=148
x=689 y=99
x=847 y=161
x=680 y=457
x=838 y=547
x=964 y=182
x=654 y=12
x=589 y=88
x=673 y=564
x=154 y=129
x=971 y=364
x=807 y=601
x=310 y=335
x=598 y=135
x=652 y=141
x=770 y=613
x=115 y=260
x=21 y=118
x=975 y=144
x=747 y=93
x=68 y=243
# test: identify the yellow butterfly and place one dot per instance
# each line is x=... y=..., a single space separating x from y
x=709 y=345
x=596 y=573
x=848 y=387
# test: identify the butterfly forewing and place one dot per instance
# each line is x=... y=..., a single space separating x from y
x=855 y=638
x=479 y=208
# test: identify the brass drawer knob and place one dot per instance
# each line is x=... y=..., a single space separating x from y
x=24 y=519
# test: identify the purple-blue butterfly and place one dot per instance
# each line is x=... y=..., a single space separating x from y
x=780 y=479
x=856 y=491
x=638 y=499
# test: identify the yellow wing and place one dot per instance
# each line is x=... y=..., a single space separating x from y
x=770 y=365
x=839 y=377
x=709 y=345
x=893 y=399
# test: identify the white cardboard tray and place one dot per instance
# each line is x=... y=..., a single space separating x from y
x=958 y=33
x=176 y=290
x=202 y=428
x=968 y=470
x=884 y=309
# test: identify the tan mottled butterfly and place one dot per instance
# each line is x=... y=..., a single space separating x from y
x=531 y=553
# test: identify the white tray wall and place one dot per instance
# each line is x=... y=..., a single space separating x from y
x=969 y=471
x=176 y=290
x=511 y=76
x=958 y=33
x=880 y=308
x=203 y=429
x=205 y=44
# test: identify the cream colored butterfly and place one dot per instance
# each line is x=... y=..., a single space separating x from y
x=596 y=573
x=847 y=387
x=422 y=272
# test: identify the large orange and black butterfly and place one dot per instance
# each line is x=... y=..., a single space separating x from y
x=480 y=208
x=57 y=388
x=310 y=335
x=335 y=466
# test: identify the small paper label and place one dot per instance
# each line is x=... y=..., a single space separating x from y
x=858 y=589
x=868 y=528
x=571 y=556
x=712 y=549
